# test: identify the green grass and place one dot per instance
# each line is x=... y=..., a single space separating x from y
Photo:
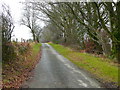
x=36 y=47
x=104 y=69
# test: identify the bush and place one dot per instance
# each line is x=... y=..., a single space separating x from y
x=92 y=47
x=23 y=48
x=8 y=52
x=89 y=46
x=11 y=51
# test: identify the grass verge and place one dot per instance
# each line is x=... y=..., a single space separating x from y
x=103 y=69
x=15 y=72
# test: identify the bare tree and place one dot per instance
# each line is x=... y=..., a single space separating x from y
x=7 y=25
x=30 y=20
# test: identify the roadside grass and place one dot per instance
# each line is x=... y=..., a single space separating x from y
x=36 y=47
x=101 y=68
x=15 y=72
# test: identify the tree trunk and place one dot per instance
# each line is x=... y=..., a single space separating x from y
x=37 y=39
x=33 y=34
x=34 y=37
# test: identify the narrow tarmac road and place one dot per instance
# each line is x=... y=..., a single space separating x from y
x=55 y=71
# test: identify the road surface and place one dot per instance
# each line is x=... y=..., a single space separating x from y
x=55 y=71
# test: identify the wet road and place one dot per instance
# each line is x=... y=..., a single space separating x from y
x=55 y=71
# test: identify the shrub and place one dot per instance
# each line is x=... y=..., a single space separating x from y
x=8 y=52
x=11 y=51
x=89 y=46
x=23 y=48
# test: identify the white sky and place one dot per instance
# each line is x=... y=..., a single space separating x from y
x=16 y=8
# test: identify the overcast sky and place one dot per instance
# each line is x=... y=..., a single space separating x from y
x=16 y=8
